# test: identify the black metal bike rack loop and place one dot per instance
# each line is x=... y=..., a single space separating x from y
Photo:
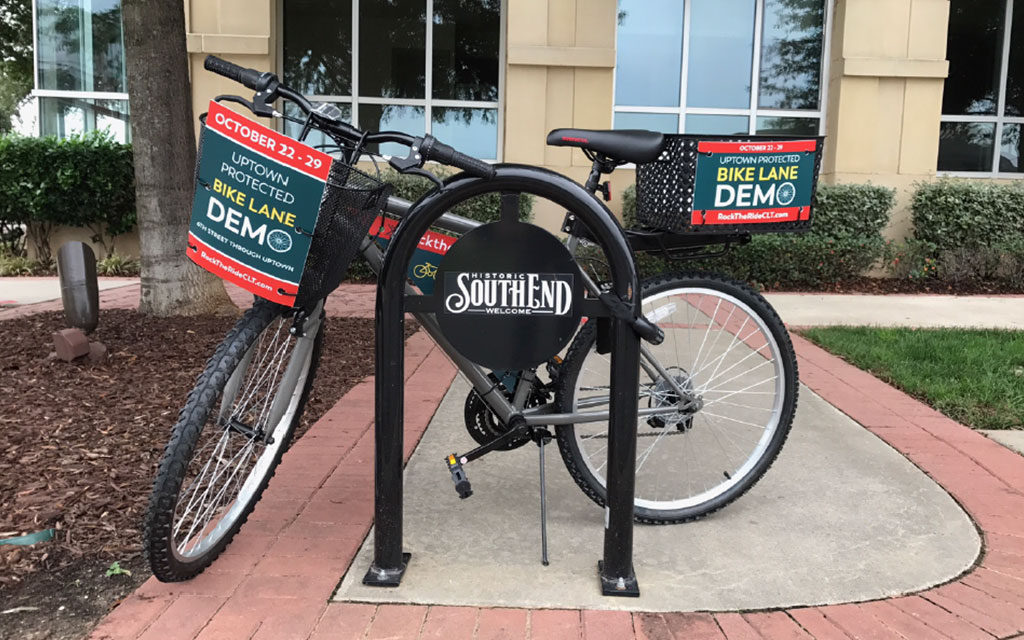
x=389 y=563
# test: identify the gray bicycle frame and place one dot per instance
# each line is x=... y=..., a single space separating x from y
x=478 y=376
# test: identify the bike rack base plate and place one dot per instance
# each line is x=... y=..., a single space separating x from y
x=622 y=587
x=386 y=577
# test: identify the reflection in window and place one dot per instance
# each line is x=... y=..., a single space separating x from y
x=472 y=131
x=465 y=56
x=392 y=48
x=663 y=122
x=966 y=146
x=393 y=89
x=1015 y=72
x=390 y=117
x=80 y=45
x=721 y=53
x=1012 y=149
x=724 y=94
x=64 y=117
x=318 y=46
x=787 y=126
x=717 y=125
x=649 y=52
x=315 y=138
x=791 y=49
x=982 y=105
x=975 y=51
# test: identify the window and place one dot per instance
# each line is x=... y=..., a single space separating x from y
x=983 y=104
x=721 y=66
x=80 y=79
x=388 y=68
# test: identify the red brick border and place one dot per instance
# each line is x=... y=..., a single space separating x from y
x=276 y=577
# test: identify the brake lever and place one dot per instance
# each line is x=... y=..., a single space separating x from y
x=412 y=164
x=258 y=107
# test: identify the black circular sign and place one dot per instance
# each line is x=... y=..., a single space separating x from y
x=510 y=295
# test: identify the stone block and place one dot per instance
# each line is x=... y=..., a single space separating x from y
x=70 y=344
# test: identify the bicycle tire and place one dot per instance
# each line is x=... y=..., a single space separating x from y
x=262 y=329
x=570 y=443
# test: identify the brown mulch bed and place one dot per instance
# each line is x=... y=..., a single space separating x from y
x=887 y=286
x=79 y=445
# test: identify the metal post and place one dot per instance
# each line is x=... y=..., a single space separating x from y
x=389 y=562
x=616 y=570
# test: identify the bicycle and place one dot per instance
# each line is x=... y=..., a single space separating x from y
x=724 y=346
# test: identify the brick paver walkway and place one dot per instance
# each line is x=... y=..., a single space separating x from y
x=350 y=300
x=275 y=579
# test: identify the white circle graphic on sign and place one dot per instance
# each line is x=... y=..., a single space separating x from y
x=279 y=241
x=786 y=193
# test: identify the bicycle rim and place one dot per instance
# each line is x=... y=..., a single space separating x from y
x=242 y=439
x=721 y=353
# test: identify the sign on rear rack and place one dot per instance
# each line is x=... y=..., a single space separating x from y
x=257 y=201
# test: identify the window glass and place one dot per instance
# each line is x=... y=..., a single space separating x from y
x=64 y=117
x=663 y=122
x=791 y=48
x=466 y=42
x=315 y=138
x=966 y=146
x=718 y=125
x=318 y=46
x=379 y=117
x=392 y=41
x=1015 y=74
x=80 y=45
x=1012 y=150
x=721 y=53
x=975 y=52
x=788 y=126
x=649 y=53
x=472 y=131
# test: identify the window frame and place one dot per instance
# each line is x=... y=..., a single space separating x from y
x=38 y=93
x=427 y=102
x=999 y=120
x=752 y=112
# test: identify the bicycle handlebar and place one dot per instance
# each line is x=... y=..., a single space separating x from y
x=429 y=147
x=251 y=78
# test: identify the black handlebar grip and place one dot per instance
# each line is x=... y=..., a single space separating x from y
x=251 y=78
x=434 y=149
x=649 y=331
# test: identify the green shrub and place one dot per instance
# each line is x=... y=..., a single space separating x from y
x=845 y=240
x=966 y=233
x=19 y=266
x=485 y=208
x=954 y=214
x=116 y=264
x=83 y=181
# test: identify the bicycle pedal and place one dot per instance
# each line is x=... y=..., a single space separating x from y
x=459 y=477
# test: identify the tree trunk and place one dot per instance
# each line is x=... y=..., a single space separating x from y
x=163 y=140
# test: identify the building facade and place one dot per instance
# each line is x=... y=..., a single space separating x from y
x=904 y=90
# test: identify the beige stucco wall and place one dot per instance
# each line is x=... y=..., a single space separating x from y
x=887 y=69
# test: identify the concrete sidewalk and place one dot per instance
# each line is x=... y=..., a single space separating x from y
x=922 y=311
x=275 y=579
x=30 y=290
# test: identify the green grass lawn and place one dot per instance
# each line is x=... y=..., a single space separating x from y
x=973 y=376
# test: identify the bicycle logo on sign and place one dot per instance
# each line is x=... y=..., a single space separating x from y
x=425 y=270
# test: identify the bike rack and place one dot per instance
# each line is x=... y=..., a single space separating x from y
x=389 y=562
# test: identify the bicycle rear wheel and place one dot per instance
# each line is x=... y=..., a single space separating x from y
x=230 y=436
x=728 y=373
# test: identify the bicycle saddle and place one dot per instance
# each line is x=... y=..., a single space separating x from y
x=630 y=145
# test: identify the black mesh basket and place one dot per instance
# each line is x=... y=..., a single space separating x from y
x=665 y=187
x=352 y=201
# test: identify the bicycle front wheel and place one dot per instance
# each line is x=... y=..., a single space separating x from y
x=230 y=436
x=717 y=399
